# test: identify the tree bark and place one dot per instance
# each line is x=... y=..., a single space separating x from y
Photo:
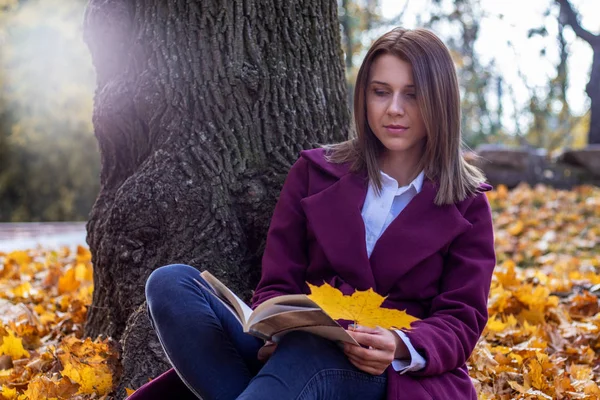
x=201 y=107
x=593 y=91
x=569 y=17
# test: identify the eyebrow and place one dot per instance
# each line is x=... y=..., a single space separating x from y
x=388 y=85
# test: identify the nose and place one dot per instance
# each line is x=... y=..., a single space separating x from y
x=396 y=106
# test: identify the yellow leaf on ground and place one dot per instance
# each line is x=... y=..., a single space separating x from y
x=496 y=325
x=362 y=307
x=19 y=257
x=8 y=393
x=535 y=374
x=83 y=254
x=84 y=272
x=516 y=229
x=42 y=388
x=85 y=363
x=68 y=282
x=91 y=378
x=23 y=290
x=13 y=346
x=129 y=391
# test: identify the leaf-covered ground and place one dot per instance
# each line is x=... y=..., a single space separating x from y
x=542 y=340
x=543 y=337
x=44 y=296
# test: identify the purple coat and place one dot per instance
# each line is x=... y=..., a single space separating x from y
x=434 y=262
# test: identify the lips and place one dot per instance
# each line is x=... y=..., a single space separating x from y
x=396 y=126
x=396 y=129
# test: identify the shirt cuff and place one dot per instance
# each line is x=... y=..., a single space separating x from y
x=416 y=361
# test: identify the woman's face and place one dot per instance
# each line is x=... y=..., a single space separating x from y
x=392 y=111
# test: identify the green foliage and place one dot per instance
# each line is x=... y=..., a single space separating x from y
x=49 y=161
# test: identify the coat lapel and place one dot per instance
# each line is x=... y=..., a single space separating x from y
x=334 y=215
x=420 y=230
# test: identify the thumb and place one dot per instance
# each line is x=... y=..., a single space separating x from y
x=361 y=328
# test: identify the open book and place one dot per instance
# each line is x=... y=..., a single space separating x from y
x=279 y=315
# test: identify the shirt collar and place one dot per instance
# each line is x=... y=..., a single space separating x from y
x=416 y=183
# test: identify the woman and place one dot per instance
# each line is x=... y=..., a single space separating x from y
x=397 y=209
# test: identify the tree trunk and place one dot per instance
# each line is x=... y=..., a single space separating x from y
x=200 y=110
x=593 y=90
x=569 y=17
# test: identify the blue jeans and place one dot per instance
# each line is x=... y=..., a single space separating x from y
x=212 y=355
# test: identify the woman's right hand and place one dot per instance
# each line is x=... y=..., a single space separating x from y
x=265 y=352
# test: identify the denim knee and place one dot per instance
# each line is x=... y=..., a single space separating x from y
x=166 y=278
x=165 y=283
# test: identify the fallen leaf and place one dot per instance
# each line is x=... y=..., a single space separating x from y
x=362 y=307
x=68 y=282
x=42 y=388
x=13 y=346
x=8 y=393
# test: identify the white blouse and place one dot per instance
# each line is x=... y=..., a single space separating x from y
x=377 y=213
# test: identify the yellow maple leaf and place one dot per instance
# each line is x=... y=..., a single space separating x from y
x=13 y=346
x=84 y=272
x=362 y=307
x=8 y=393
x=83 y=254
x=43 y=388
x=19 y=257
x=516 y=229
x=91 y=378
x=68 y=282
x=496 y=324
x=535 y=375
x=23 y=290
x=129 y=391
x=85 y=363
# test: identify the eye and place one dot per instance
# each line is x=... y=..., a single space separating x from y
x=411 y=95
x=379 y=92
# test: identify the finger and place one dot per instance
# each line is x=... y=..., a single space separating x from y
x=366 y=364
x=266 y=351
x=361 y=328
x=361 y=365
x=375 y=340
x=372 y=367
x=369 y=355
x=358 y=351
x=367 y=369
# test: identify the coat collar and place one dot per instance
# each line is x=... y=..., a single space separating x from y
x=334 y=214
x=317 y=158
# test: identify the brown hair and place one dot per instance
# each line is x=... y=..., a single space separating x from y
x=438 y=98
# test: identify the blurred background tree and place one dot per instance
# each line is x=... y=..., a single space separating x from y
x=544 y=119
x=569 y=17
x=49 y=161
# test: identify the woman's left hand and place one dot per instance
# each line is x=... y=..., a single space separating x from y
x=382 y=349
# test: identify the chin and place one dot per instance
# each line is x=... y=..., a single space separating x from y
x=397 y=147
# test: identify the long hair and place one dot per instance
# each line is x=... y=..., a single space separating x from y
x=438 y=98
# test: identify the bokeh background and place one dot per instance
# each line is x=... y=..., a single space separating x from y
x=522 y=75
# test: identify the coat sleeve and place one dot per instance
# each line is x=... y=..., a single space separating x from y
x=458 y=314
x=284 y=261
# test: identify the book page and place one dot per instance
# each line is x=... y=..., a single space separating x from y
x=265 y=312
x=242 y=310
x=310 y=320
x=336 y=334
x=293 y=300
x=223 y=300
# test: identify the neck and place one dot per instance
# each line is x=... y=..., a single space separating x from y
x=404 y=169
